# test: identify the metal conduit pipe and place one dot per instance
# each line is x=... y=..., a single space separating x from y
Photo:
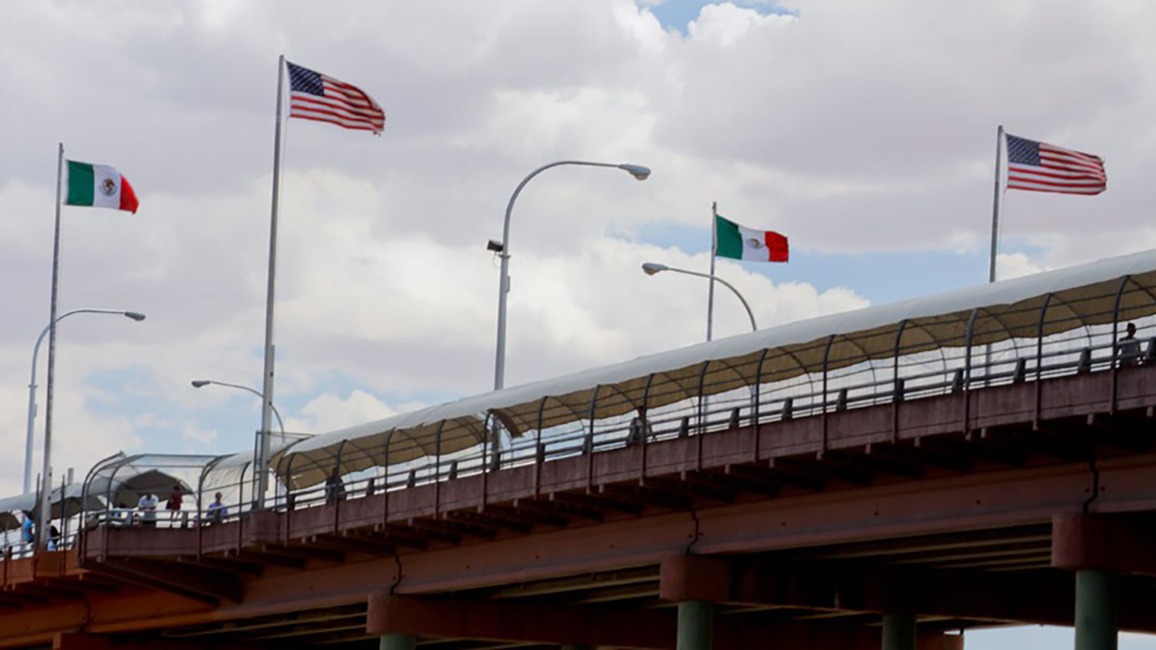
x=969 y=340
x=756 y=397
x=438 y=469
x=1040 y=334
x=338 y=497
x=385 y=487
x=826 y=357
x=896 y=396
x=702 y=415
x=588 y=444
x=1040 y=353
x=702 y=420
x=240 y=500
x=644 y=417
x=539 y=449
x=1115 y=334
x=895 y=367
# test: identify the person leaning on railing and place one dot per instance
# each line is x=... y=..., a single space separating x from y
x=1128 y=347
x=217 y=510
x=148 y=508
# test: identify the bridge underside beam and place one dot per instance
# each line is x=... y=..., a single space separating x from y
x=519 y=622
x=81 y=641
x=1126 y=544
x=1044 y=597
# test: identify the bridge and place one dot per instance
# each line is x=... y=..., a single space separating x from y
x=889 y=478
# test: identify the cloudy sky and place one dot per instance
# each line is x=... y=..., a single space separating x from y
x=863 y=131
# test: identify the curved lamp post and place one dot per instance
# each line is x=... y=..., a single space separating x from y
x=200 y=383
x=651 y=268
x=136 y=316
x=502 y=248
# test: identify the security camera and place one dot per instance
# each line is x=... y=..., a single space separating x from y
x=495 y=246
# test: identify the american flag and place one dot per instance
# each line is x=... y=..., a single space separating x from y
x=314 y=96
x=1043 y=167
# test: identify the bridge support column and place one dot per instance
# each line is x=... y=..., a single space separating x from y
x=695 y=625
x=1096 y=610
x=397 y=641
x=899 y=632
x=1099 y=548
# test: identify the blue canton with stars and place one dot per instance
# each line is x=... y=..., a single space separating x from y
x=304 y=80
x=1022 y=151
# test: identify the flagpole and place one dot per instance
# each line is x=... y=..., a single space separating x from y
x=260 y=464
x=996 y=204
x=45 y=503
x=713 y=254
x=995 y=210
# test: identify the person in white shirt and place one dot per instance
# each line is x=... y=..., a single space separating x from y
x=148 y=507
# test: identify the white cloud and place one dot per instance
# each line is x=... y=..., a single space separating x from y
x=330 y=412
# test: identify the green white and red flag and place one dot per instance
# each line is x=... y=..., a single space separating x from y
x=98 y=186
x=742 y=243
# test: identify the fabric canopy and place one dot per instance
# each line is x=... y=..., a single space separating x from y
x=1038 y=305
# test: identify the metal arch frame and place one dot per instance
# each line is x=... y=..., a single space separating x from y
x=865 y=357
x=84 y=492
x=803 y=372
x=940 y=345
x=626 y=399
x=200 y=495
x=573 y=410
x=287 y=452
x=683 y=393
x=1002 y=326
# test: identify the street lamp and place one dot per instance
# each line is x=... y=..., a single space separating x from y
x=651 y=268
x=136 y=316
x=502 y=248
x=201 y=383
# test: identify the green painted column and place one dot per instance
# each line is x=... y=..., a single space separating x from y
x=397 y=642
x=1096 y=610
x=695 y=625
x=899 y=632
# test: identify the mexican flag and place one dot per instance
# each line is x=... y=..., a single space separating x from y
x=741 y=243
x=99 y=186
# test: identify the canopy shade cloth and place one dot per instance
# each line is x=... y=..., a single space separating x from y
x=121 y=484
x=1028 y=307
x=66 y=503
